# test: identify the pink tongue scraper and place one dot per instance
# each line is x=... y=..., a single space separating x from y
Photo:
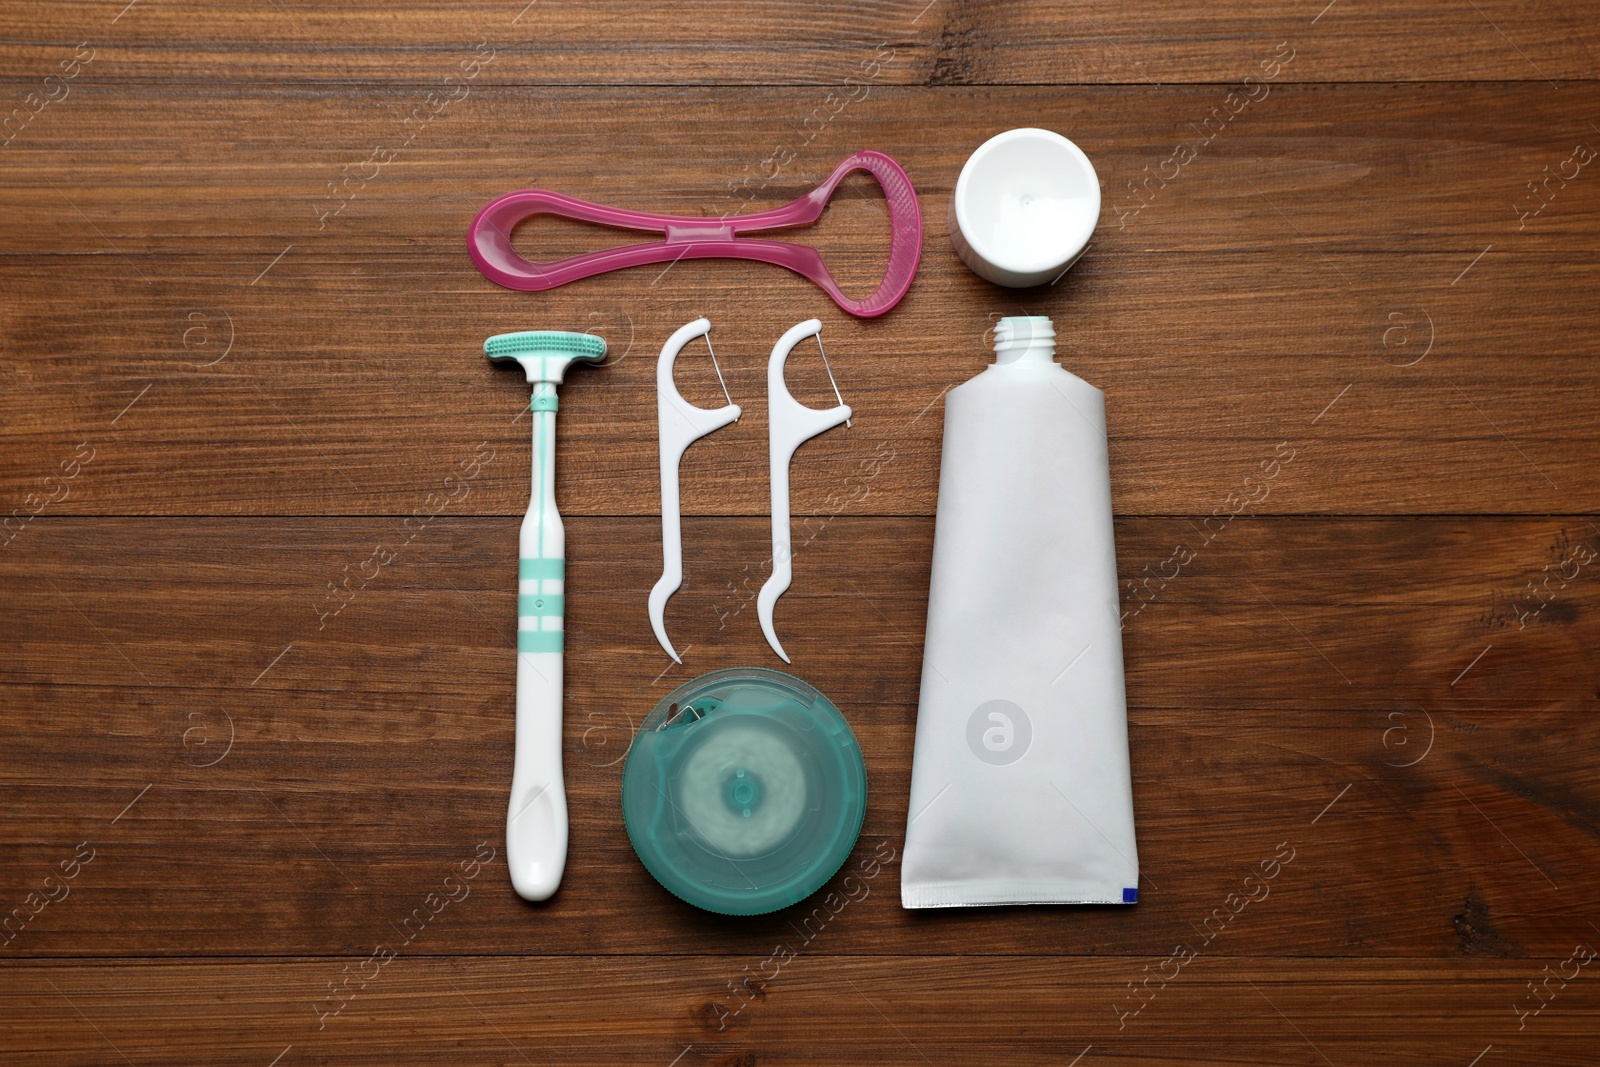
x=704 y=237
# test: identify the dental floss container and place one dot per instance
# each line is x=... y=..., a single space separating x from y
x=744 y=791
x=1024 y=207
x=1021 y=791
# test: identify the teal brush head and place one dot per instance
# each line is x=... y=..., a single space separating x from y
x=545 y=342
x=546 y=354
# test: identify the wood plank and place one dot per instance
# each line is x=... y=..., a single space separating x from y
x=1321 y=682
x=316 y=411
x=211 y=603
x=816 y=1009
x=245 y=170
x=945 y=41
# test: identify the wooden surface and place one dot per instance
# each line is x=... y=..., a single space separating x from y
x=229 y=369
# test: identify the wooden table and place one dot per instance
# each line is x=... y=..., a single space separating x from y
x=256 y=734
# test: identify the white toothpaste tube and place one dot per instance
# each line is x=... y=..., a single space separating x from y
x=1020 y=786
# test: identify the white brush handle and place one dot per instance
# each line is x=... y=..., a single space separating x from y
x=536 y=821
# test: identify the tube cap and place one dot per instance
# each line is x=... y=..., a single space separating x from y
x=1024 y=207
x=744 y=791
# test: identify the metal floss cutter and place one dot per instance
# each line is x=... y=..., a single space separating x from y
x=744 y=791
x=704 y=237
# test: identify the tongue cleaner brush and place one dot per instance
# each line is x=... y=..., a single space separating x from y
x=704 y=237
x=536 y=822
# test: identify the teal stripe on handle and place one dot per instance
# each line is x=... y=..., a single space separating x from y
x=542 y=570
x=541 y=604
x=541 y=640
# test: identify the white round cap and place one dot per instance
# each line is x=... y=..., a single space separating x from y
x=1024 y=207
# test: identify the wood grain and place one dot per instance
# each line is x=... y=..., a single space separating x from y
x=236 y=355
x=900 y=1009
x=318 y=410
x=1290 y=660
x=943 y=42
x=1307 y=170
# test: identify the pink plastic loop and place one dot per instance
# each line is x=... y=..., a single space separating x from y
x=701 y=237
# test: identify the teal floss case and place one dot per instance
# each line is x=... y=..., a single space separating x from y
x=744 y=791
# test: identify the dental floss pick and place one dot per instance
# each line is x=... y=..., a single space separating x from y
x=678 y=425
x=789 y=425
